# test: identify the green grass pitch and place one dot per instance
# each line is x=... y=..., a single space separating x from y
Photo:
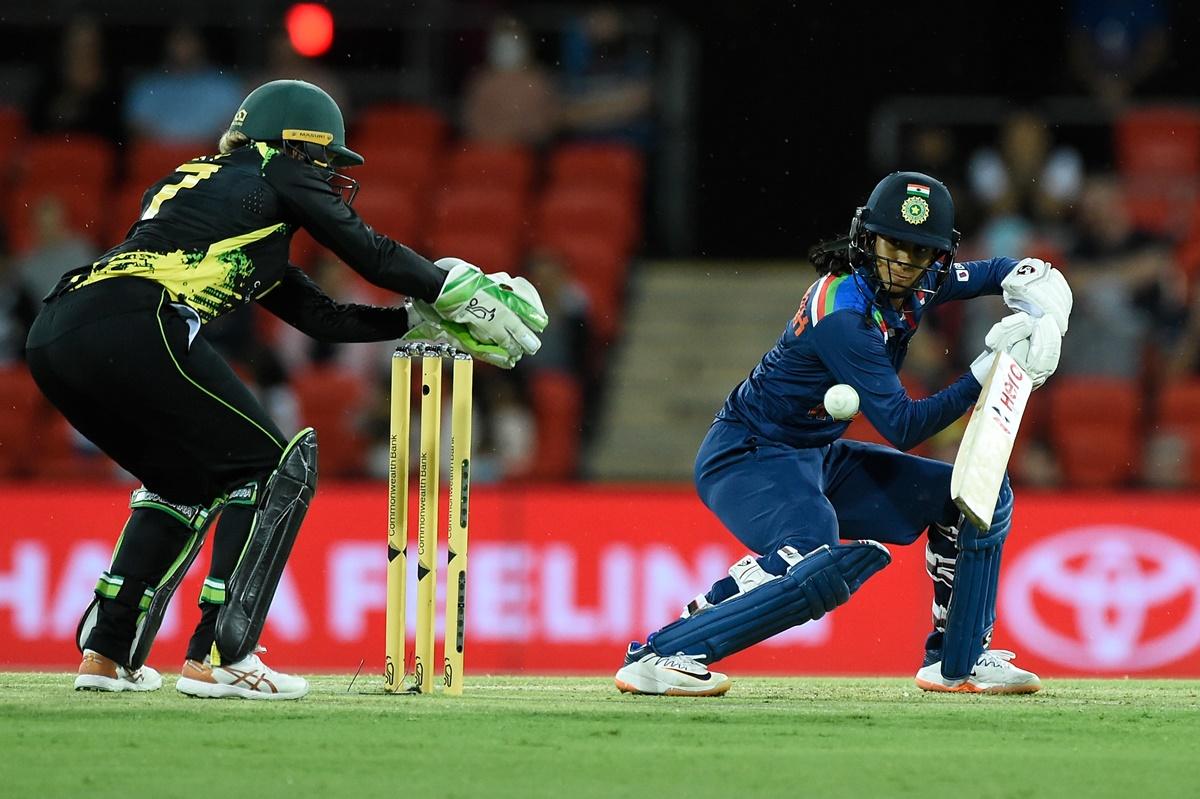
x=576 y=738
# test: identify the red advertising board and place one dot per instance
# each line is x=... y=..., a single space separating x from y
x=561 y=579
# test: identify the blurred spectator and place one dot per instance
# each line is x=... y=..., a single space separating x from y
x=14 y=319
x=511 y=100
x=1184 y=360
x=565 y=343
x=506 y=445
x=185 y=98
x=1116 y=46
x=77 y=94
x=56 y=249
x=1127 y=289
x=284 y=63
x=1166 y=460
x=607 y=80
x=30 y=277
x=1023 y=185
x=932 y=149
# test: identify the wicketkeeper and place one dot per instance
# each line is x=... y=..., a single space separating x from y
x=119 y=348
x=775 y=471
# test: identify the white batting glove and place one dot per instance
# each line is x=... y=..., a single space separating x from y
x=497 y=309
x=1036 y=287
x=1010 y=330
x=1045 y=348
x=1035 y=344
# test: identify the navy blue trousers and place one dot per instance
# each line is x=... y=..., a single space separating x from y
x=770 y=495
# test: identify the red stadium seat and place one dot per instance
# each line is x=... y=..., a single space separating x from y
x=604 y=165
x=490 y=166
x=1159 y=204
x=1179 y=404
x=331 y=399
x=124 y=208
x=74 y=169
x=61 y=455
x=390 y=124
x=1178 y=413
x=1093 y=426
x=470 y=209
x=490 y=251
x=12 y=131
x=558 y=407
x=74 y=159
x=392 y=212
x=1163 y=141
x=150 y=161
x=1158 y=156
x=82 y=206
x=20 y=405
x=601 y=270
x=606 y=212
x=397 y=166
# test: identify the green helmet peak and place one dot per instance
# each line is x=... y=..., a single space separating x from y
x=296 y=111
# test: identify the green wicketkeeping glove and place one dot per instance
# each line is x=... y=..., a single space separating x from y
x=495 y=309
x=426 y=325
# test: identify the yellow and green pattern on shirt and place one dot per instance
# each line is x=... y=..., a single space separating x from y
x=213 y=282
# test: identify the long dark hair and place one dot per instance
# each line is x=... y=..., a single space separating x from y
x=831 y=256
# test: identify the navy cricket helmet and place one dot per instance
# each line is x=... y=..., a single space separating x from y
x=908 y=207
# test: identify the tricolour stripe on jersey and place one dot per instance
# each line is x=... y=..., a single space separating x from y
x=826 y=292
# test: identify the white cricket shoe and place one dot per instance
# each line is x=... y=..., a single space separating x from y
x=993 y=674
x=98 y=673
x=675 y=675
x=249 y=678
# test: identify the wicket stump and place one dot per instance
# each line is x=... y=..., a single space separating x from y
x=431 y=357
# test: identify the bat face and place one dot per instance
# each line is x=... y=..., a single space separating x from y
x=988 y=442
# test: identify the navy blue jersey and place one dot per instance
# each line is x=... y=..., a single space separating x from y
x=839 y=336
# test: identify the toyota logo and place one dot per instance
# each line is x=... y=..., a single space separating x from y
x=1106 y=597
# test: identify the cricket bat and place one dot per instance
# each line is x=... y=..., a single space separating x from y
x=988 y=442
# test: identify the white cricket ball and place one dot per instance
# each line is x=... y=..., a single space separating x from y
x=841 y=402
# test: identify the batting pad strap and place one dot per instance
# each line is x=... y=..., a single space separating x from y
x=246 y=495
x=212 y=592
x=194 y=516
x=132 y=593
x=823 y=580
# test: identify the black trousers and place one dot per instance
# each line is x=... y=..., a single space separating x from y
x=115 y=359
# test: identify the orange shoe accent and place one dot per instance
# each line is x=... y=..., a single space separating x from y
x=1028 y=688
x=964 y=687
x=96 y=665
x=717 y=690
x=196 y=670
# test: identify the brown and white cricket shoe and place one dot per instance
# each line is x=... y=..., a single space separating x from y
x=249 y=678
x=99 y=673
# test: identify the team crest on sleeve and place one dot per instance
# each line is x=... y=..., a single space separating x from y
x=962 y=275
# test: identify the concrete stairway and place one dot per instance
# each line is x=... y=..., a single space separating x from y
x=692 y=332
